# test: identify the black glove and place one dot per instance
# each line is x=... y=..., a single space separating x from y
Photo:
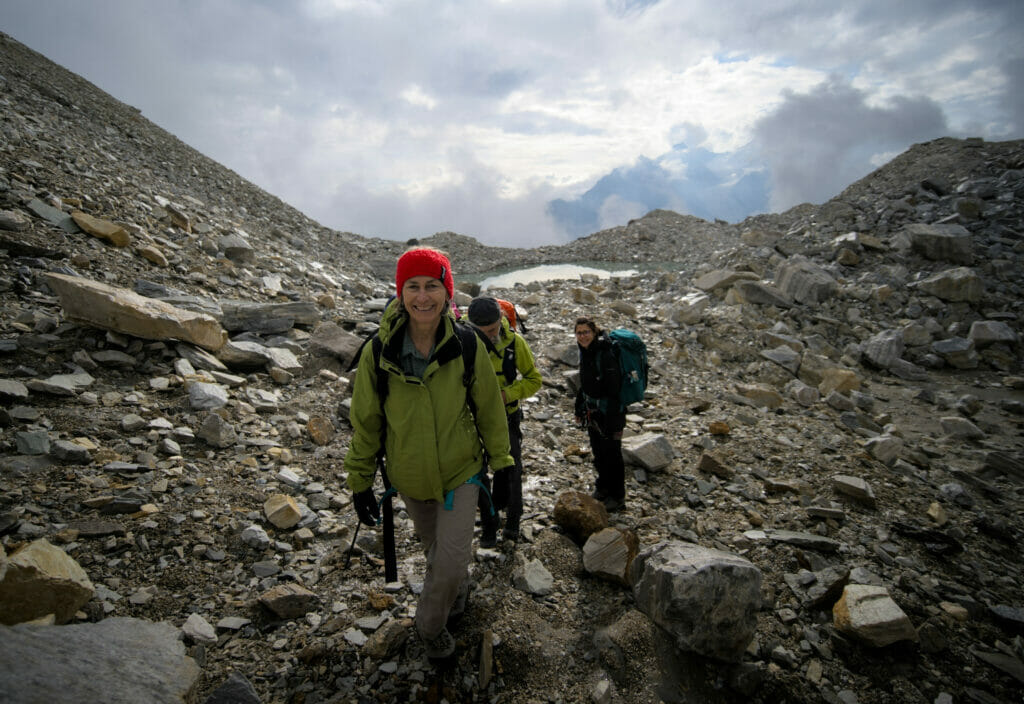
x=500 y=489
x=366 y=506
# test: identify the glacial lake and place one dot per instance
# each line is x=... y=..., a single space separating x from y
x=552 y=272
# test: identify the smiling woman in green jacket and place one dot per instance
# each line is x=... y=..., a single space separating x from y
x=434 y=442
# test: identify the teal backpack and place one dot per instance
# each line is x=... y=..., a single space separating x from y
x=632 y=354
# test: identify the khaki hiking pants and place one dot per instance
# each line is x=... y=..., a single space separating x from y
x=447 y=538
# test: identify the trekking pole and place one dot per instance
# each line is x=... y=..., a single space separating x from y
x=348 y=557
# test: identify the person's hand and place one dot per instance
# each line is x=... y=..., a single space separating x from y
x=500 y=489
x=366 y=506
x=617 y=436
x=579 y=422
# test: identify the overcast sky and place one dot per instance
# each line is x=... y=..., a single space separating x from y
x=528 y=122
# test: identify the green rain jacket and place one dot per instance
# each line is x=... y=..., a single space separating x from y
x=432 y=443
x=522 y=386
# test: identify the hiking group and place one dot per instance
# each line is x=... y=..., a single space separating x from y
x=428 y=416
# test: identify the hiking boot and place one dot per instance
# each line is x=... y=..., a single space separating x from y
x=613 y=504
x=440 y=646
x=459 y=607
x=511 y=531
x=489 y=536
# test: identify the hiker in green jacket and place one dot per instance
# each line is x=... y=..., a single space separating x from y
x=434 y=441
x=598 y=409
x=518 y=378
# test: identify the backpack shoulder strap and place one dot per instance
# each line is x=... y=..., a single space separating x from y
x=508 y=360
x=484 y=339
x=377 y=347
x=359 y=353
x=467 y=340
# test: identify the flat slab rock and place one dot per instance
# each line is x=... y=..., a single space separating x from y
x=116 y=661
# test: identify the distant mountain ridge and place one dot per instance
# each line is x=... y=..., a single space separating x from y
x=124 y=141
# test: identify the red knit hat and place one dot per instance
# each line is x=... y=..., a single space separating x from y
x=424 y=262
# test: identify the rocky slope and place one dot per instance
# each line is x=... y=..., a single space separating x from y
x=847 y=373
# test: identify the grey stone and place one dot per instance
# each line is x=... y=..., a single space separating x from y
x=217 y=432
x=532 y=577
x=651 y=451
x=804 y=540
x=334 y=340
x=884 y=348
x=32 y=442
x=855 y=488
x=760 y=294
x=988 y=332
x=609 y=553
x=199 y=630
x=951 y=243
x=267 y=318
x=961 y=428
x=236 y=247
x=117 y=660
x=236 y=689
x=784 y=356
x=11 y=391
x=206 y=397
x=62 y=384
x=960 y=284
x=688 y=310
x=804 y=281
x=706 y=599
x=958 y=352
x=70 y=452
x=722 y=279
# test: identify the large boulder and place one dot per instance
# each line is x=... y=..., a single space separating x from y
x=707 y=599
x=116 y=661
x=124 y=311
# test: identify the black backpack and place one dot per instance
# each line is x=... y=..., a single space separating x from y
x=508 y=358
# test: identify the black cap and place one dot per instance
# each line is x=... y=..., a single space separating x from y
x=484 y=311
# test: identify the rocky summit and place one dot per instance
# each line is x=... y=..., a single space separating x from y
x=824 y=476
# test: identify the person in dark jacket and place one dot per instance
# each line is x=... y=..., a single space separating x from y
x=598 y=409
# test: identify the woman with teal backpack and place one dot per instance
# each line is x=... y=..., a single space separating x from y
x=599 y=409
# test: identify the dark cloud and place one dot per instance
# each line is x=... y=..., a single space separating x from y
x=817 y=143
x=693 y=181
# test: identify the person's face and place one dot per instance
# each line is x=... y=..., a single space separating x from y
x=584 y=335
x=424 y=298
x=492 y=331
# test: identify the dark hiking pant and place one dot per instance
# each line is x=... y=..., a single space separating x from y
x=509 y=496
x=607 y=450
